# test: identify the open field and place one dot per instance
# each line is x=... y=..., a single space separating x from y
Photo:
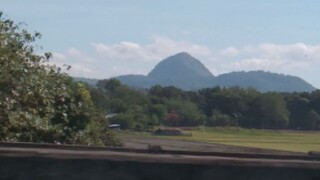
x=295 y=141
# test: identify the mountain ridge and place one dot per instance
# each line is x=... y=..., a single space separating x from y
x=186 y=72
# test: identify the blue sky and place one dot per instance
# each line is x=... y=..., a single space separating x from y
x=105 y=38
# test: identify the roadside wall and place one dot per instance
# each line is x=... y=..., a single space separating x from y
x=31 y=168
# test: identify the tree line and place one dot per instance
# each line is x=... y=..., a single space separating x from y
x=142 y=109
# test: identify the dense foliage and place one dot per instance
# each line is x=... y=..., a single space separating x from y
x=248 y=108
x=40 y=103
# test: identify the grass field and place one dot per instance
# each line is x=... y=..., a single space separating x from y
x=296 y=141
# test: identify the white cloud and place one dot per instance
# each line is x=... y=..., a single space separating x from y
x=295 y=59
x=81 y=68
x=59 y=56
x=107 y=60
x=81 y=64
x=264 y=64
x=123 y=51
x=229 y=52
x=160 y=48
x=74 y=52
x=166 y=47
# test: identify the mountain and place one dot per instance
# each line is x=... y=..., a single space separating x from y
x=188 y=73
x=134 y=80
x=264 y=81
x=181 y=66
x=180 y=70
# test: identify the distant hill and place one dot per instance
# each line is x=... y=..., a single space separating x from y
x=186 y=72
x=264 y=81
x=140 y=81
x=90 y=81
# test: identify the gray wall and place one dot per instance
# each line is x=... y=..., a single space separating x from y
x=32 y=168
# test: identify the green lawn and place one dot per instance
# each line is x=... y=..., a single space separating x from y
x=298 y=141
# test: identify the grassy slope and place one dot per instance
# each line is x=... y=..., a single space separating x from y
x=270 y=139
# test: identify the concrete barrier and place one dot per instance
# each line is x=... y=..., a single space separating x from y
x=41 y=161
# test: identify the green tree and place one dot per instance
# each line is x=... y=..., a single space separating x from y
x=312 y=120
x=219 y=119
x=38 y=102
x=158 y=113
x=273 y=112
x=187 y=112
x=298 y=106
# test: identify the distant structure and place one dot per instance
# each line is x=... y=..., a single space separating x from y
x=111 y=115
x=168 y=132
x=115 y=126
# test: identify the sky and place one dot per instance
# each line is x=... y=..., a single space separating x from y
x=107 y=38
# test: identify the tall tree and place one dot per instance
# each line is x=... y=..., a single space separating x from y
x=38 y=102
x=273 y=111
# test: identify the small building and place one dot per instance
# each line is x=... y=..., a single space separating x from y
x=115 y=126
x=168 y=131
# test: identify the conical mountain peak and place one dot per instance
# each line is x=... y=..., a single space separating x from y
x=181 y=66
x=182 y=55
